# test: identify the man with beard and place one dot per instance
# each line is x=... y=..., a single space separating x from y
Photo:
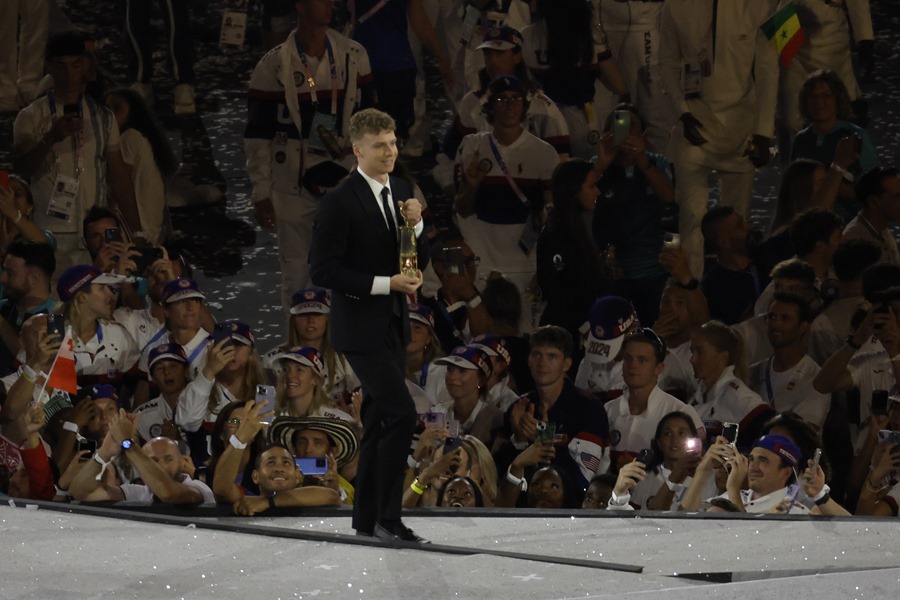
x=733 y=283
x=785 y=380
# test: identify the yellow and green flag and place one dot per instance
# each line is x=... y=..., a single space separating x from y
x=783 y=29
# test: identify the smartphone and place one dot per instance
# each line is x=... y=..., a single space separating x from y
x=451 y=444
x=145 y=258
x=265 y=395
x=434 y=419
x=671 y=241
x=621 y=126
x=692 y=444
x=453 y=428
x=4 y=180
x=816 y=457
x=730 y=432
x=546 y=432
x=220 y=333
x=112 y=234
x=879 y=402
x=646 y=456
x=886 y=435
x=89 y=445
x=454 y=259
x=56 y=325
x=312 y=467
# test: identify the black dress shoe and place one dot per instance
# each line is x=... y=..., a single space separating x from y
x=397 y=532
x=364 y=533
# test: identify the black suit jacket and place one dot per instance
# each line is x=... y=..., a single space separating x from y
x=351 y=245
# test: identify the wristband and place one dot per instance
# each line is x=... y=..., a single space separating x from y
x=874 y=489
x=28 y=373
x=416 y=487
x=236 y=442
x=474 y=302
x=844 y=172
x=70 y=426
x=616 y=500
x=522 y=484
x=822 y=496
x=411 y=462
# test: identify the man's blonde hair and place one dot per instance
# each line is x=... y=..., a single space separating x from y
x=370 y=120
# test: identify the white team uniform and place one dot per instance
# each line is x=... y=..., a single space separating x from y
x=195 y=350
x=792 y=389
x=765 y=504
x=110 y=353
x=188 y=414
x=493 y=232
x=823 y=342
x=728 y=401
x=140 y=324
x=629 y=434
x=734 y=99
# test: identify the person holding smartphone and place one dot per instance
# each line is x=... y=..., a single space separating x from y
x=319 y=438
x=68 y=139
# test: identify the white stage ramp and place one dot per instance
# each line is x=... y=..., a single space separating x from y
x=77 y=552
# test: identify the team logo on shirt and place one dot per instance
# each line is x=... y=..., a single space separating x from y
x=155 y=430
x=280 y=157
x=791 y=385
x=485 y=165
x=593 y=137
x=615 y=436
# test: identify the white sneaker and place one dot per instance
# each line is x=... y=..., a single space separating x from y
x=145 y=90
x=184 y=99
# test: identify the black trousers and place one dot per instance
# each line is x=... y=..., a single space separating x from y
x=389 y=419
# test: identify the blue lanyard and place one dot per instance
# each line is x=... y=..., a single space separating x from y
x=159 y=334
x=424 y=376
x=198 y=350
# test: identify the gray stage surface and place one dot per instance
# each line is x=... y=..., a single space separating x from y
x=50 y=554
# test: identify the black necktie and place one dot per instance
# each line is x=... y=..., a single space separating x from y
x=386 y=206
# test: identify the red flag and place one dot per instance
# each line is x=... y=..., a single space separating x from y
x=62 y=373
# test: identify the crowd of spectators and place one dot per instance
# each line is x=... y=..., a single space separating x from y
x=594 y=335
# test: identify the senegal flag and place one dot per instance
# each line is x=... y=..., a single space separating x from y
x=783 y=30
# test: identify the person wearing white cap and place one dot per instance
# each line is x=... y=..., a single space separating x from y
x=468 y=371
x=182 y=404
x=300 y=390
x=104 y=351
x=181 y=300
x=308 y=326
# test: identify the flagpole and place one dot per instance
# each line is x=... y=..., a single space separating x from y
x=55 y=358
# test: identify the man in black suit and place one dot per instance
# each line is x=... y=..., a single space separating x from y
x=355 y=253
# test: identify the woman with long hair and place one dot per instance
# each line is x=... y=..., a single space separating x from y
x=300 y=391
x=569 y=271
x=104 y=350
x=149 y=157
x=238 y=380
x=308 y=327
x=722 y=396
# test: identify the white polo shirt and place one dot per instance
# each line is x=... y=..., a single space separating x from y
x=791 y=389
